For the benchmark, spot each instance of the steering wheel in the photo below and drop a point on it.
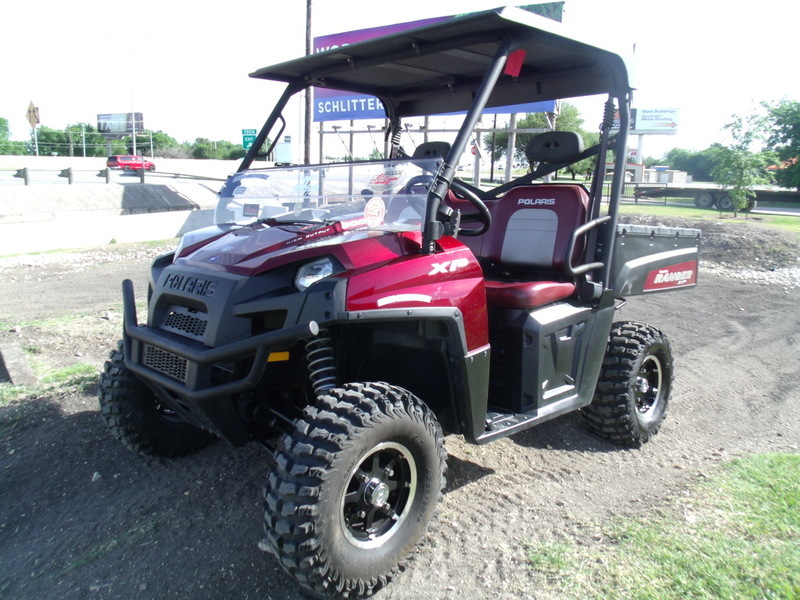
(483, 216)
(418, 202)
(416, 192)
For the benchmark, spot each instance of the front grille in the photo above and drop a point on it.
(165, 362)
(187, 322)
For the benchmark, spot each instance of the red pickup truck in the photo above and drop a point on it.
(130, 163)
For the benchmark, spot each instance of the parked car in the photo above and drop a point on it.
(130, 163)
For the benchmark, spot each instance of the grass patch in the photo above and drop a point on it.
(735, 538)
(73, 374)
(10, 392)
(77, 377)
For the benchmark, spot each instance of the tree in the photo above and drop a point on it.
(6, 145)
(220, 149)
(52, 142)
(83, 137)
(72, 141)
(784, 120)
(737, 168)
(585, 167)
(162, 145)
(697, 164)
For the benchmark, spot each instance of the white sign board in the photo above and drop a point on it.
(659, 121)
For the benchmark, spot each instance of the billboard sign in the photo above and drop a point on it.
(333, 105)
(654, 121)
(120, 123)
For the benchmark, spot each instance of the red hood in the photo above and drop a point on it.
(254, 249)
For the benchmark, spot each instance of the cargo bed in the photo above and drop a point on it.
(654, 259)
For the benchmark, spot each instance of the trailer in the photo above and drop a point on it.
(710, 195)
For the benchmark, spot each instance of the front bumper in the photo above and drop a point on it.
(189, 364)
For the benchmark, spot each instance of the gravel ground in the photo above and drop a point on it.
(788, 277)
(81, 517)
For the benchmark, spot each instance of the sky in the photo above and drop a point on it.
(185, 65)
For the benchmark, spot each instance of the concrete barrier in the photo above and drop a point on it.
(59, 216)
(49, 202)
(48, 217)
(93, 229)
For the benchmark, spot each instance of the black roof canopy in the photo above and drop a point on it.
(436, 69)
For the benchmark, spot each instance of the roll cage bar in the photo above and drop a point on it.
(499, 57)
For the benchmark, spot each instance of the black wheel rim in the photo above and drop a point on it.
(648, 387)
(379, 494)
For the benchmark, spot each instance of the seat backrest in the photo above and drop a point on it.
(532, 225)
(431, 150)
(554, 146)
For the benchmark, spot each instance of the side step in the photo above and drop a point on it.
(502, 424)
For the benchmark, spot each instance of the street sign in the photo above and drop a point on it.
(32, 115)
(248, 138)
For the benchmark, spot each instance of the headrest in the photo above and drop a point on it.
(431, 150)
(554, 146)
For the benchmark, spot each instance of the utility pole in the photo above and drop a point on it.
(307, 128)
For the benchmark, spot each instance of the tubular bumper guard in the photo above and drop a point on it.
(199, 360)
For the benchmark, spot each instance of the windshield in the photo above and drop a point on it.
(382, 195)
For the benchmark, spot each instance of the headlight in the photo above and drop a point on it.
(312, 272)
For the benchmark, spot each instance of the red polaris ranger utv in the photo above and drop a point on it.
(348, 316)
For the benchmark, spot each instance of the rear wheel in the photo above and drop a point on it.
(725, 202)
(632, 395)
(354, 487)
(704, 200)
(138, 419)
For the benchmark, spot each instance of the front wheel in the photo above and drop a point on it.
(138, 419)
(632, 394)
(354, 487)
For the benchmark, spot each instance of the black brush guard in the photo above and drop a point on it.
(198, 361)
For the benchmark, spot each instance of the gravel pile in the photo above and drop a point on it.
(788, 277)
